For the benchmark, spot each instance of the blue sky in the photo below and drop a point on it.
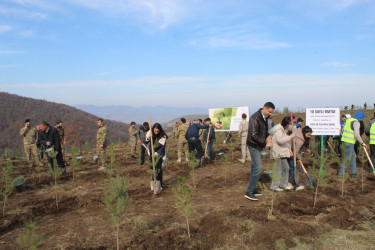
(189, 53)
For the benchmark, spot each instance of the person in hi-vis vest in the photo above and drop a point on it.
(349, 137)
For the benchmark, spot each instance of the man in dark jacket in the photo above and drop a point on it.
(257, 139)
(49, 137)
(192, 136)
(210, 138)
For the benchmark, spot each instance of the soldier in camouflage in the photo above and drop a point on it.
(61, 131)
(182, 142)
(243, 128)
(30, 137)
(133, 139)
(101, 143)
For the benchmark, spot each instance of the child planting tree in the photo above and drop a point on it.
(116, 199)
(30, 239)
(183, 200)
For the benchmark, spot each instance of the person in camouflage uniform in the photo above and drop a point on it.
(61, 131)
(243, 127)
(182, 142)
(133, 139)
(30, 137)
(101, 143)
(175, 131)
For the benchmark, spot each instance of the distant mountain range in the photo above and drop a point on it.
(80, 126)
(128, 114)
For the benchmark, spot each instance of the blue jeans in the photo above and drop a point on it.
(210, 150)
(256, 169)
(293, 172)
(350, 158)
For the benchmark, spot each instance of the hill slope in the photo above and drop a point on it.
(79, 125)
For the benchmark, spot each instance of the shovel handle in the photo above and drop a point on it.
(303, 167)
(208, 137)
(369, 159)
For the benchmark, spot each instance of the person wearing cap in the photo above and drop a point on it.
(370, 132)
(242, 135)
(133, 139)
(61, 131)
(351, 135)
(30, 137)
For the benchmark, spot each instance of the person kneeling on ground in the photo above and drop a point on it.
(281, 152)
(159, 138)
(302, 141)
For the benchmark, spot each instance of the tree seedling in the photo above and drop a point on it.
(30, 239)
(55, 172)
(6, 187)
(193, 164)
(116, 199)
(183, 200)
(231, 147)
(76, 163)
(274, 194)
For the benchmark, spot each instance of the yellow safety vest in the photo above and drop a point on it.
(348, 133)
(372, 134)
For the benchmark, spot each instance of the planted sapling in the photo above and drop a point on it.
(6, 187)
(30, 239)
(116, 199)
(183, 200)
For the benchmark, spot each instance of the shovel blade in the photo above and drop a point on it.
(311, 182)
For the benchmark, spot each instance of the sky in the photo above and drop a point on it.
(189, 53)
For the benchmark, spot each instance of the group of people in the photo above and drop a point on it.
(254, 135)
(44, 138)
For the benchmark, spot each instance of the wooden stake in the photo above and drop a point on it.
(152, 152)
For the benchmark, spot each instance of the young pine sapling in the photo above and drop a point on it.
(116, 199)
(6, 187)
(231, 147)
(76, 163)
(30, 239)
(193, 164)
(183, 200)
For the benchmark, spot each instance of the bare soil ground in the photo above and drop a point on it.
(222, 218)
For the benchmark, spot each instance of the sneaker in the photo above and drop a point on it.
(257, 193)
(242, 160)
(101, 168)
(290, 185)
(300, 187)
(251, 196)
(354, 175)
(133, 157)
(277, 190)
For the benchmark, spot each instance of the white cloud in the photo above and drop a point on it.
(157, 13)
(8, 52)
(2, 66)
(5, 28)
(338, 64)
(245, 37)
(22, 13)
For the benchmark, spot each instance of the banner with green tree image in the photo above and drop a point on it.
(227, 119)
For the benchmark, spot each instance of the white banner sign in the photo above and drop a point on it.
(323, 121)
(227, 119)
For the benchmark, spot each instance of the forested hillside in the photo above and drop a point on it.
(79, 125)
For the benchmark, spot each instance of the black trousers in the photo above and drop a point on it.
(195, 144)
(142, 155)
(372, 153)
(59, 160)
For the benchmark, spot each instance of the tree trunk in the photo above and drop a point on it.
(188, 228)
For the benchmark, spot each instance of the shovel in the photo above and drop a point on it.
(205, 151)
(310, 180)
(369, 159)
